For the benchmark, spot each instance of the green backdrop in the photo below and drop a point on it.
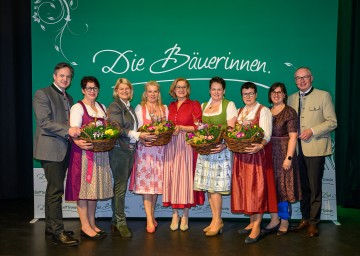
(261, 41)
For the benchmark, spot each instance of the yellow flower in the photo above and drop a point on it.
(109, 132)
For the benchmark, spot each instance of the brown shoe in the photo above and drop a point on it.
(302, 225)
(313, 231)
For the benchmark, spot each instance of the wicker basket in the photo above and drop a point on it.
(205, 149)
(101, 145)
(163, 138)
(239, 146)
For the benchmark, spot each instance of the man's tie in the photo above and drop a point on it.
(302, 94)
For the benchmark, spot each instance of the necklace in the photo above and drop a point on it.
(152, 113)
(243, 116)
(212, 104)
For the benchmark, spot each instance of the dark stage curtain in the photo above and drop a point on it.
(16, 100)
(347, 155)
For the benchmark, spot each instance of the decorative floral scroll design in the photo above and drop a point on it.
(48, 13)
(290, 65)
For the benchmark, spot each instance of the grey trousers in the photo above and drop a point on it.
(121, 163)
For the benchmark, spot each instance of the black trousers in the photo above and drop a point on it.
(55, 174)
(311, 174)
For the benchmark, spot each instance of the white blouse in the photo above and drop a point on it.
(139, 114)
(231, 110)
(265, 121)
(77, 112)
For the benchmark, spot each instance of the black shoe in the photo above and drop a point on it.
(98, 236)
(103, 233)
(266, 231)
(49, 233)
(249, 240)
(244, 231)
(64, 239)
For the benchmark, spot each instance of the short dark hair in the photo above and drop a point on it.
(87, 79)
(219, 80)
(273, 87)
(64, 65)
(248, 85)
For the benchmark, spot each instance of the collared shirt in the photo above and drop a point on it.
(307, 91)
(133, 134)
(61, 90)
(265, 121)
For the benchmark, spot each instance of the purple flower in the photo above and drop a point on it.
(240, 135)
(190, 135)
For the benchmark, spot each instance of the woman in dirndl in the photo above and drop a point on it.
(89, 176)
(253, 186)
(147, 175)
(213, 171)
(180, 158)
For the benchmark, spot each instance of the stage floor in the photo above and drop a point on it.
(19, 237)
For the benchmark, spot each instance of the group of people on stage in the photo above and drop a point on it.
(285, 167)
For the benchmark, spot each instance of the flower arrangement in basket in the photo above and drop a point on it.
(242, 135)
(162, 128)
(101, 134)
(205, 138)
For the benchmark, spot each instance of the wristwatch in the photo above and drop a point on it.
(289, 158)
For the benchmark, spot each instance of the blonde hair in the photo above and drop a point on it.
(173, 85)
(122, 81)
(143, 96)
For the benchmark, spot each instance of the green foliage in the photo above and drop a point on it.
(99, 130)
(205, 133)
(241, 132)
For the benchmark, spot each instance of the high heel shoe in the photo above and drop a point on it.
(175, 224)
(184, 227)
(150, 230)
(206, 229)
(216, 232)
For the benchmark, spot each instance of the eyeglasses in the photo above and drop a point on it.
(249, 94)
(181, 87)
(276, 93)
(297, 78)
(89, 89)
